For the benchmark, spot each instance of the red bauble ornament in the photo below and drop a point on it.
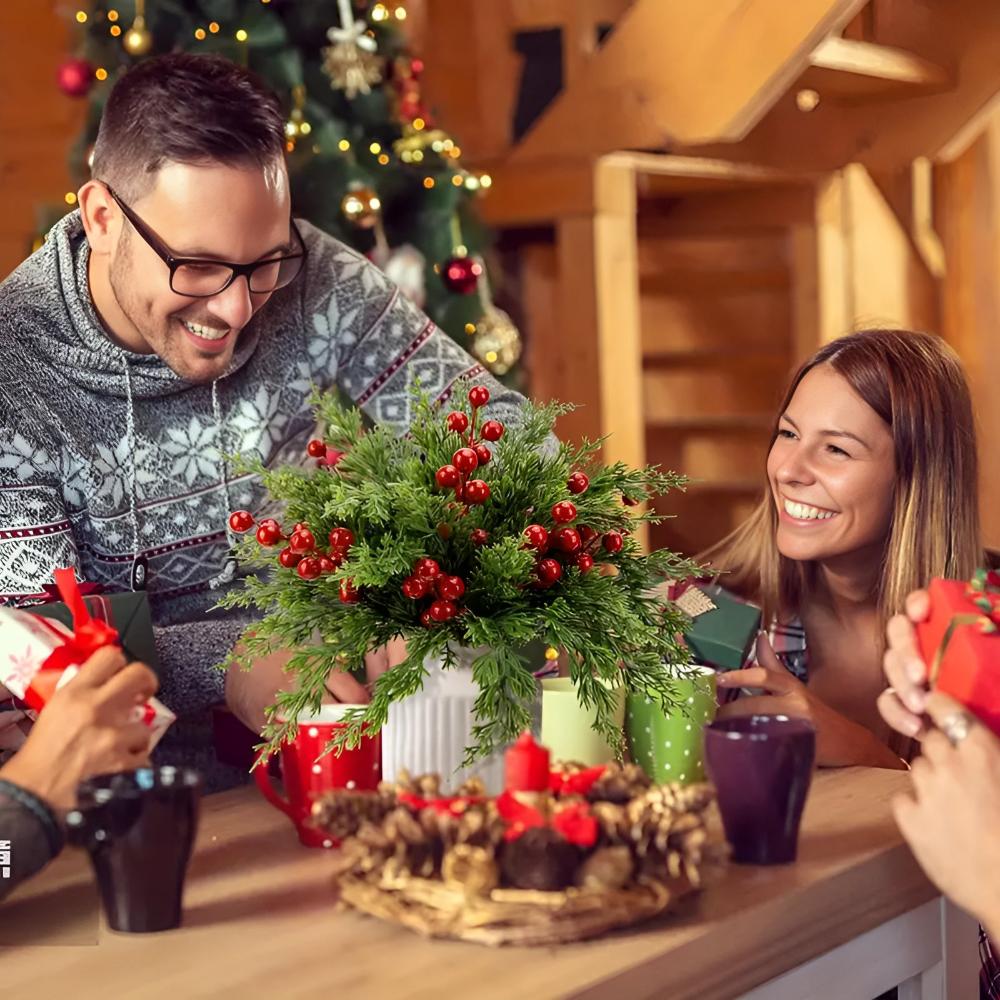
(326, 564)
(241, 520)
(414, 588)
(341, 538)
(465, 460)
(308, 568)
(578, 482)
(584, 562)
(442, 611)
(479, 396)
(348, 592)
(563, 512)
(75, 77)
(548, 572)
(461, 274)
(316, 448)
(268, 534)
(567, 539)
(302, 540)
(458, 422)
(492, 430)
(426, 569)
(537, 536)
(288, 558)
(447, 476)
(612, 541)
(450, 588)
(476, 491)
(483, 454)
(479, 536)
(587, 533)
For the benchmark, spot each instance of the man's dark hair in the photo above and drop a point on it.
(182, 108)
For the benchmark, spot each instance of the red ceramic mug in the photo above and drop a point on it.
(307, 776)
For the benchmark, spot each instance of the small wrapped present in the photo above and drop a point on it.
(960, 643)
(723, 628)
(39, 655)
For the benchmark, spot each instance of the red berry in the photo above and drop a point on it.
(476, 491)
(465, 460)
(316, 448)
(537, 536)
(584, 562)
(337, 556)
(288, 558)
(348, 592)
(563, 512)
(426, 620)
(331, 459)
(444, 530)
(241, 520)
(414, 588)
(268, 534)
(578, 482)
(629, 501)
(326, 564)
(447, 476)
(302, 540)
(301, 526)
(341, 538)
(492, 430)
(548, 571)
(483, 454)
(442, 611)
(450, 588)
(567, 539)
(479, 395)
(612, 541)
(308, 568)
(587, 534)
(457, 422)
(269, 521)
(479, 537)
(426, 569)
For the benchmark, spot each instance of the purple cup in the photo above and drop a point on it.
(761, 766)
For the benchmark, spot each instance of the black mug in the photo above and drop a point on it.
(138, 827)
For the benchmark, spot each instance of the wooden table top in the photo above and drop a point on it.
(260, 921)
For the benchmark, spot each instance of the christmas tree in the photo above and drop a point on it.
(368, 163)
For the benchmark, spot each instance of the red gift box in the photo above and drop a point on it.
(960, 643)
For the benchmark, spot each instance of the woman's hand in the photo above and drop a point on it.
(839, 741)
(86, 728)
(951, 818)
(903, 702)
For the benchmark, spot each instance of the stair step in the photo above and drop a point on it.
(669, 395)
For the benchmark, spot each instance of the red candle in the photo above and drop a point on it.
(526, 766)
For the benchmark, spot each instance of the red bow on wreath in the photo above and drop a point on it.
(573, 822)
(454, 804)
(575, 782)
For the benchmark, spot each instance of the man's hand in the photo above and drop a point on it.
(902, 703)
(86, 729)
(951, 819)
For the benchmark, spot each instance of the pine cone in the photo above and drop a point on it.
(540, 859)
(341, 813)
(619, 783)
(606, 868)
(474, 868)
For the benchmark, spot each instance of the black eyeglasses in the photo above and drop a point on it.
(198, 278)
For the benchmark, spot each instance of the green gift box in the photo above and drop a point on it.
(723, 628)
(668, 745)
(127, 613)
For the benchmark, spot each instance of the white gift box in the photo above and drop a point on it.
(27, 641)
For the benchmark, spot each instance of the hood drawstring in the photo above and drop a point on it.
(140, 567)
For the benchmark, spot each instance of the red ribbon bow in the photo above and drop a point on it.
(575, 782)
(573, 822)
(88, 636)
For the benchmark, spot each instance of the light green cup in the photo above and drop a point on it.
(669, 747)
(568, 728)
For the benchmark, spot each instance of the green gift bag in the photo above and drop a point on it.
(568, 728)
(723, 628)
(669, 747)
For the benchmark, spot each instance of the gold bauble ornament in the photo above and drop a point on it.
(497, 342)
(361, 206)
(138, 40)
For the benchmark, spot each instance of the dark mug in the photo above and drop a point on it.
(138, 827)
(761, 766)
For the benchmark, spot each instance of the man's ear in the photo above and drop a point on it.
(101, 217)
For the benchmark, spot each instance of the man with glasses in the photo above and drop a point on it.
(179, 316)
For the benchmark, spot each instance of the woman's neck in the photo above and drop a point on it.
(849, 583)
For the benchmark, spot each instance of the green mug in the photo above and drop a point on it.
(568, 728)
(668, 747)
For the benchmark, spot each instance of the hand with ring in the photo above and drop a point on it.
(951, 818)
(902, 704)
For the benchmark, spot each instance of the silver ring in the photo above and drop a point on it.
(957, 727)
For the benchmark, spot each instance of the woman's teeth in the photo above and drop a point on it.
(205, 332)
(806, 513)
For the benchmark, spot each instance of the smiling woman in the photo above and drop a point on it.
(871, 491)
